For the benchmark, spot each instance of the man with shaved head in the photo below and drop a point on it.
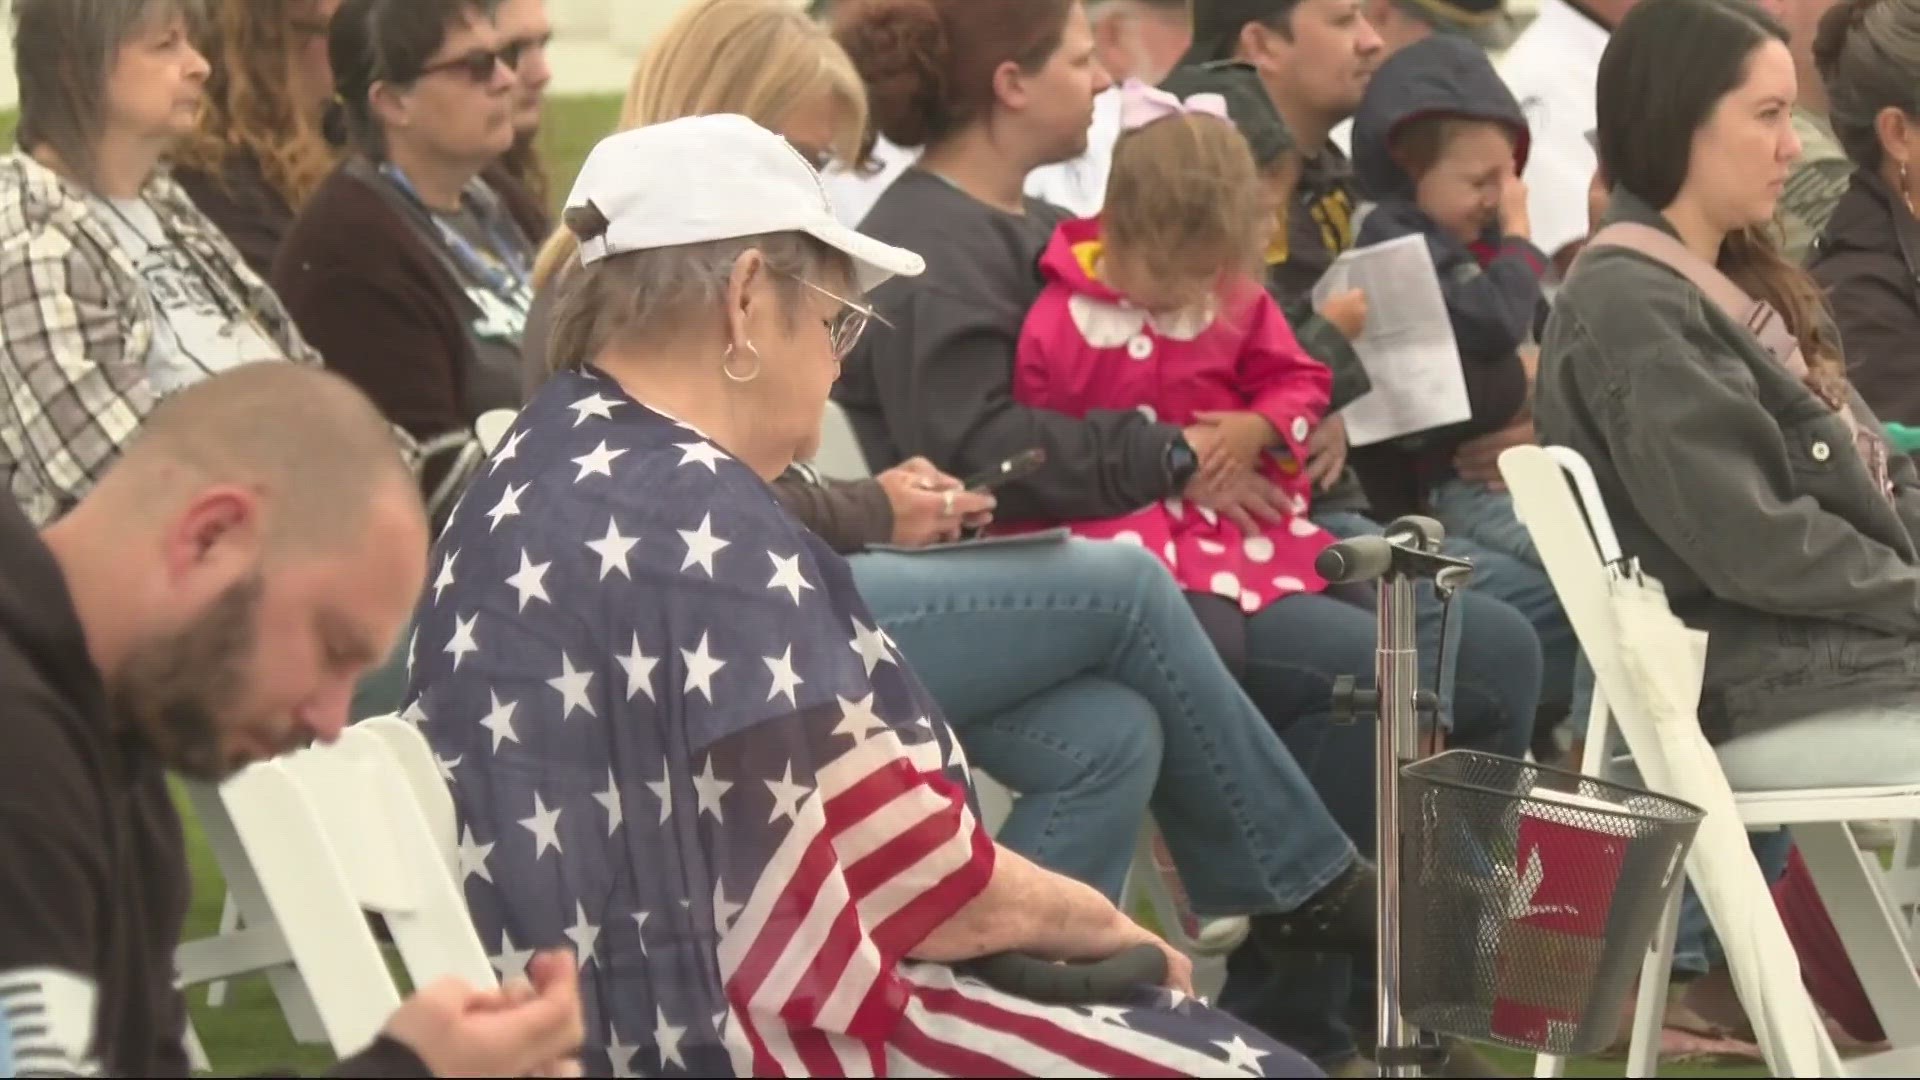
(209, 604)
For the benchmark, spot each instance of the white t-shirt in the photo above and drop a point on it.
(1551, 69)
(853, 194)
(1080, 185)
(195, 336)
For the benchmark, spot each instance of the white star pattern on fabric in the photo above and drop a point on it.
(593, 405)
(1108, 1014)
(1240, 1055)
(663, 792)
(511, 963)
(871, 644)
(529, 581)
(597, 462)
(639, 668)
(414, 714)
(640, 929)
(787, 796)
(500, 721)
(473, 858)
(621, 1055)
(701, 668)
(585, 935)
(545, 826)
(857, 718)
(667, 1038)
(446, 768)
(507, 452)
(508, 506)
(445, 578)
(711, 789)
(463, 642)
(610, 799)
(701, 453)
(613, 550)
(786, 575)
(724, 910)
(785, 679)
(573, 689)
(702, 546)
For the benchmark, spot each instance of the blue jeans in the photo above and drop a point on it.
(1495, 662)
(1508, 566)
(1075, 674)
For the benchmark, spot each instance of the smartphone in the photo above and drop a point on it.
(1017, 467)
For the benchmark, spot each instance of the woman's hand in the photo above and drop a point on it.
(930, 507)
(1249, 500)
(1327, 453)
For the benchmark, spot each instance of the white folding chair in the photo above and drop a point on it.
(492, 428)
(1556, 498)
(333, 833)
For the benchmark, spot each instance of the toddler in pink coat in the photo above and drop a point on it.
(1156, 306)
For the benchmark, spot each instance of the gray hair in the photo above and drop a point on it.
(1868, 53)
(63, 56)
(664, 292)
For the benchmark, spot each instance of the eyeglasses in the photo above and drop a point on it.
(478, 65)
(845, 328)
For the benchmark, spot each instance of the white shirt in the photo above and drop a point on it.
(1080, 185)
(194, 335)
(1551, 69)
(853, 194)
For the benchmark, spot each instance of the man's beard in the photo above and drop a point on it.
(182, 693)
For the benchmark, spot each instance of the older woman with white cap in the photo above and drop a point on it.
(674, 735)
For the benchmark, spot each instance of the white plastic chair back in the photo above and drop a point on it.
(367, 802)
(840, 456)
(427, 778)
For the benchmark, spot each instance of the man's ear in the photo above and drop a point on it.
(218, 534)
(389, 104)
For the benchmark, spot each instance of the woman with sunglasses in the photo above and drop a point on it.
(260, 150)
(115, 290)
(405, 268)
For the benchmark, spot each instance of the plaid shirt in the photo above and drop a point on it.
(77, 324)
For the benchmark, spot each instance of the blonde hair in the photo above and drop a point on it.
(756, 58)
(1185, 192)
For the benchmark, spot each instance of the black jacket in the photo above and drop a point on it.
(1868, 261)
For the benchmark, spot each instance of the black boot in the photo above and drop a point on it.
(1337, 919)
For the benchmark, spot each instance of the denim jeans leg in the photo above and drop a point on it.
(1084, 757)
(988, 629)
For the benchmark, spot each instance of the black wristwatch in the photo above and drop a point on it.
(1180, 464)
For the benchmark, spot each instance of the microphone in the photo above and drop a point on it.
(1364, 558)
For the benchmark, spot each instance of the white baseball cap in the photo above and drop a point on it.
(720, 177)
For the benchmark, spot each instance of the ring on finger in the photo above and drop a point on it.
(946, 502)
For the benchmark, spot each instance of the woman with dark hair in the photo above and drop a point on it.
(1741, 470)
(405, 268)
(114, 289)
(259, 151)
(1869, 258)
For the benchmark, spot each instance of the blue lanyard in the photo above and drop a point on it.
(512, 284)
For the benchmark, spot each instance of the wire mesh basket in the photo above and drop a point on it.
(1529, 897)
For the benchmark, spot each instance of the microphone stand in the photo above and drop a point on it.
(1406, 554)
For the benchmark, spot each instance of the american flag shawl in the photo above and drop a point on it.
(679, 743)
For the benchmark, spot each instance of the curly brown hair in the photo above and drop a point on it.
(249, 106)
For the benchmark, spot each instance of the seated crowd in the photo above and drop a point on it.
(710, 720)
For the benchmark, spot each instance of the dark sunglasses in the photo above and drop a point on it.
(478, 65)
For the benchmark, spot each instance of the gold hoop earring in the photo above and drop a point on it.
(726, 366)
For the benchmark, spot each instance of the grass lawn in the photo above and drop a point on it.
(248, 1035)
